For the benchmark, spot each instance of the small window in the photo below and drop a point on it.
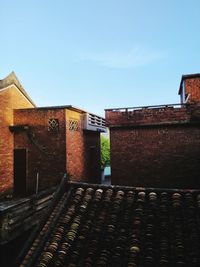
(73, 125)
(53, 125)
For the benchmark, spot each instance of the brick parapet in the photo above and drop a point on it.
(152, 116)
(155, 147)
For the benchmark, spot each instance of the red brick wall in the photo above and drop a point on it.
(192, 87)
(75, 147)
(146, 154)
(10, 99)
(83, 151)
(45, 150)
(150, 116)
(53, 154)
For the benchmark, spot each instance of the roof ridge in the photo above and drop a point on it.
(12, 79)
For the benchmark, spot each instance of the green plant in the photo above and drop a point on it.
(105, 152)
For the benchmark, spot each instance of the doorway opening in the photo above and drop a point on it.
(20, 172)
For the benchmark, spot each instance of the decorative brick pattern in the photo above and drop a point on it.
(73, 125)
(53, 125)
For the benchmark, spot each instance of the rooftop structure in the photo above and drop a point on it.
(158, 145)
(39, 144)
(189, 89)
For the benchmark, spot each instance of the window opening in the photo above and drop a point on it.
(53, 125)
(73, 125)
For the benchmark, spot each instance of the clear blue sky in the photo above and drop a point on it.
(98, 54)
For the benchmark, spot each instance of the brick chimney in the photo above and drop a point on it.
(189, 90)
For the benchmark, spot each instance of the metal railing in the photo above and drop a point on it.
(128, 109)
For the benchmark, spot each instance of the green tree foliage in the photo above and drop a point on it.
(105, 152)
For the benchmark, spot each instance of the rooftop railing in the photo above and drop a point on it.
(127, 109)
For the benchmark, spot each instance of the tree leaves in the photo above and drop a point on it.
(105, 152)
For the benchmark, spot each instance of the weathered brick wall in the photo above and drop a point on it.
(150, 116)
(156, 155)
(75, 164)
(83, 151)
(10, 98)
(53, 154)
(45, 149)
(192, 87)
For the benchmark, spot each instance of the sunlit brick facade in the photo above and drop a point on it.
(12, 96)
(39, 145)
(158, 146)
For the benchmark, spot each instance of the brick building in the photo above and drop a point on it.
(12, 96)
(39, 144)
(158, 146)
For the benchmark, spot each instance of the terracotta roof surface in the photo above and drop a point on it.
(94, 225)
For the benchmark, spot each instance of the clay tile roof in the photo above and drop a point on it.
(92, 225)
(12, 79)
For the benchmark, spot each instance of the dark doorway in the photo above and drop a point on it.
(20, 172)
(94, 165)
